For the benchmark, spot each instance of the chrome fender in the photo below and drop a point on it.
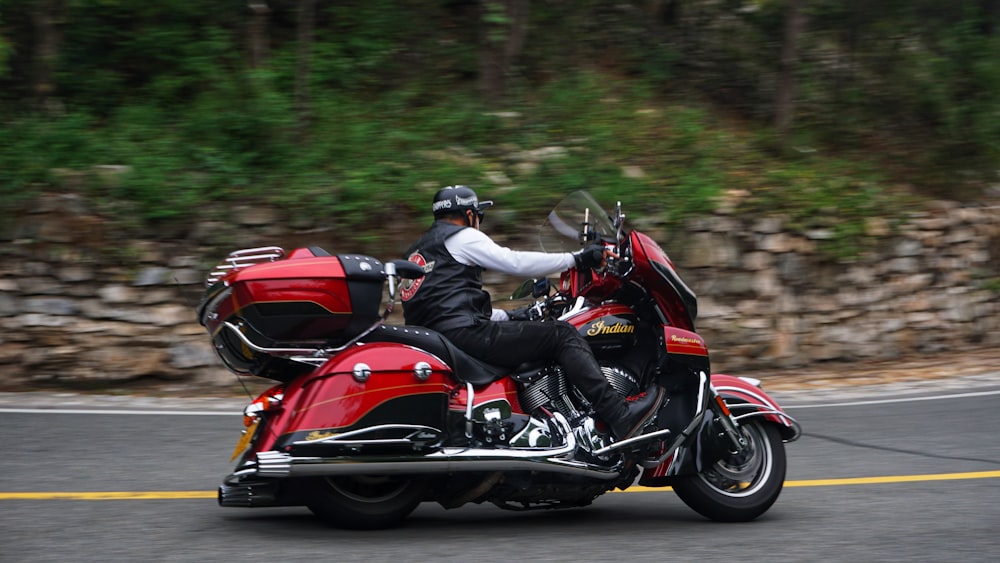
(746, 398)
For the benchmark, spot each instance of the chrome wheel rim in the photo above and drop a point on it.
(744, 473)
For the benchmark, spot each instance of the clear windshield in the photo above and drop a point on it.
(561, 230)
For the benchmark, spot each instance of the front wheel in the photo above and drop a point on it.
(741, 486)
(364, 502)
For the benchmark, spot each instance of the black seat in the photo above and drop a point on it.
(467, 369)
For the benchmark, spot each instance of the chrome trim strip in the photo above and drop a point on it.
(642, 438)
(470, 397)
(791, 422)
(344, 438)
(764, 402)
(577, 307)
(250, 344)
(688, 431)
(314, 362)
(702, 377)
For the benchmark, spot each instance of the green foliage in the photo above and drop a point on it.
(161, 52)
(921, 69)
(35, 145)
(664, 110)
(5, 52)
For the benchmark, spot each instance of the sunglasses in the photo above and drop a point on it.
(478, 214)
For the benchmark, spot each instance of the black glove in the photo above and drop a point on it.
(521, 314)
(590, 258)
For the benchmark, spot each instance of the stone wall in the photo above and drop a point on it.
(771, 298)
(84, 306)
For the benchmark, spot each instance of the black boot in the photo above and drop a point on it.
(624, 416)
(638, 411)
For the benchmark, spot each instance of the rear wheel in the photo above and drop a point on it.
(740, 486)
(363, 502)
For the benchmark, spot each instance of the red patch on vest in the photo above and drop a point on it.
(409, 287)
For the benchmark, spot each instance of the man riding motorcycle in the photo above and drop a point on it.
(450, 300)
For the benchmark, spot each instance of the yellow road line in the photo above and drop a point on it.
(861, 480)
(163, 495)
(110, 495)
(894, 479)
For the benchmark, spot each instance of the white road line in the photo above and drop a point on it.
(237, 412)
(897, 400)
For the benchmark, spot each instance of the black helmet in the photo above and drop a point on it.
(458, 199)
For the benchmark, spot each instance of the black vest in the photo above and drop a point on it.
(450, 295)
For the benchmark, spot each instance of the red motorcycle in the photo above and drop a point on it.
(368, 420)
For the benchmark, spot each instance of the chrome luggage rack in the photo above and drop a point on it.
(244, 258)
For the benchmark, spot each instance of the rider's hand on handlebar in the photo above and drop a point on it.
(520, 314)
(594, 257)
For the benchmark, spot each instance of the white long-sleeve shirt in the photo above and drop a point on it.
(472, 247)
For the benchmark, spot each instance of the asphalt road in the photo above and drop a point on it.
(904, 480)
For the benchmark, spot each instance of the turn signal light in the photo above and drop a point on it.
(264, 403)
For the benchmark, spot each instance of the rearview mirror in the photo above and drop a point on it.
(533, 288)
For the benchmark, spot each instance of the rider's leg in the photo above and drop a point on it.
(515, 342)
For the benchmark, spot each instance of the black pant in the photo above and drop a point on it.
(511, 343)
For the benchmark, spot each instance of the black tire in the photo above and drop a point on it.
(739, 487)
(364, 502)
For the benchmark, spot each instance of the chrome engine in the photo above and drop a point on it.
(623, 381)
(551, 389)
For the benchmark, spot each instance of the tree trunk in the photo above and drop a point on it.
(257, 34)
(991, 16)
(303, 64)
(45, 17)
(504, 25)
(784, 106)
(665, 12)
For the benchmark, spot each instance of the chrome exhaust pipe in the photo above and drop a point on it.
(274, 464)
(278, 465)
(248, 494)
